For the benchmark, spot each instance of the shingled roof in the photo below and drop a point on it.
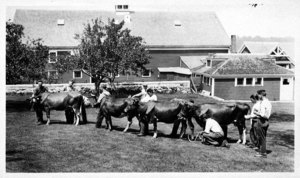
(197, 29)
(245, 65)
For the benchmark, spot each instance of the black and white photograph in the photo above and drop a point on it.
(159, 87)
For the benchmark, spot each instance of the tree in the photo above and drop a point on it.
(106, 50)
(24, 61)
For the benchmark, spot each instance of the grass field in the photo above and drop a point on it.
(67, 148)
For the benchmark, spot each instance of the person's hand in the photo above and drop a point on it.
(247, 116)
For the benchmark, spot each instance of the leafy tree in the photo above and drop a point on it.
(106, 50)
(25, 62)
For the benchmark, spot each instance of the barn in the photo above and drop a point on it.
(237, 76)
(169, 36)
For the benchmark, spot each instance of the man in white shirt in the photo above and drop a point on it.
(213, 133)
(149, 97)
(142, 94)
(103, 93)
(253, 119)
(262, 124)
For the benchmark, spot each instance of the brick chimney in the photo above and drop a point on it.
(233, 44)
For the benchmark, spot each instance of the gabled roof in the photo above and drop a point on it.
(178, 70)
(198, 29)
(260, 47)
(243, 65)
(193, 61)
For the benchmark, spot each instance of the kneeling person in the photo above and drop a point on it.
(213, 134)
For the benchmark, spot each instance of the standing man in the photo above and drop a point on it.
(213, 133)
(36, 99)
(103, 93)
(253, 119)
(262, 124)
(69, 113)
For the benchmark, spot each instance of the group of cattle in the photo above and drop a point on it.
(176, 111)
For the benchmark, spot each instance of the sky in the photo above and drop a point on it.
(270, 18)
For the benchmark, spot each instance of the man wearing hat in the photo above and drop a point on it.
(37, 101)
(262, 124)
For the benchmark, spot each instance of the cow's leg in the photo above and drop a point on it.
(191, 125)
(48, 116)
(224, 128)
(77, 118)
(143, 126)
(175, 128)
(109, 122)
(242, 135)
(155, 128)
(183, 128)
(129, 122)
(100, 117)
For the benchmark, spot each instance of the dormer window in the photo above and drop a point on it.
(122, 7)
(208, 63)
(60, 22)
(119, 6)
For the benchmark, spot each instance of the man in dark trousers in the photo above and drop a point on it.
(262, 124)
(36, 99)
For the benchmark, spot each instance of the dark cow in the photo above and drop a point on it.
(224, 114)
(111, 106)
(154, 112)
(62, 102)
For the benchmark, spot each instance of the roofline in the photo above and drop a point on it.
(252, 75)
(184, 47)
(165, 47)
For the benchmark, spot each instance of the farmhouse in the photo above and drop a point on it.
(237, 76)
(169, 36)
(283, 52)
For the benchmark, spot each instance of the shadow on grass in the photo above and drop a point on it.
(285, 139)
(282, 117)
(13, 155)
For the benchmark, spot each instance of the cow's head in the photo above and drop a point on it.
(187, 109)
(131, 104)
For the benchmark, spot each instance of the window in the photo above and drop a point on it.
(208, 63)
(125, 6)
(249, 81)
(146, 73)
(207, 80)
(240, 82)
(52, 57)
(77, 74)
(63, 54)
(52, 74)
(285, 81)
(258, 81)
(119, 6)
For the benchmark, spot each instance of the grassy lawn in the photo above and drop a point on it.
(67, 148)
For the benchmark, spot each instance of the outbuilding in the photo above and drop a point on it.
(237, 76)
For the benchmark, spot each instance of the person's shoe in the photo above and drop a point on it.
(225, 144)
(261, 155)
(39, 123)
(141, 135)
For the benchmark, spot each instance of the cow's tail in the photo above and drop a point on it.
(83, 111)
